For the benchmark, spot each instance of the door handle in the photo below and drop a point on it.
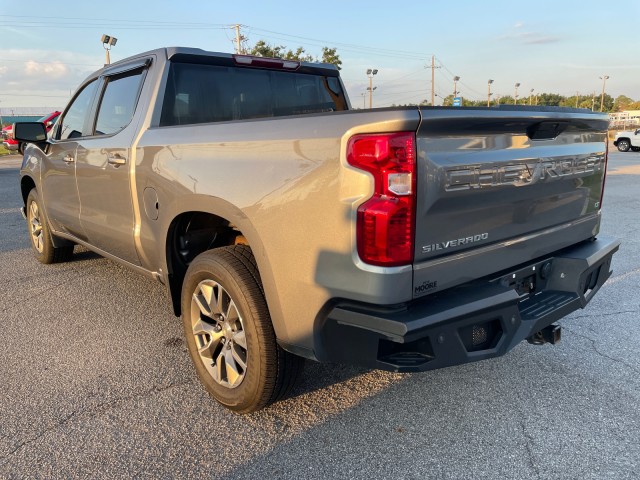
(68, 158)
(116, 160)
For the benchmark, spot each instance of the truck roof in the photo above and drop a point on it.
(188, 54)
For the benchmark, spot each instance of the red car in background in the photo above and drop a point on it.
(7, 132)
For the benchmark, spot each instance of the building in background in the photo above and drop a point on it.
(625, 119)
(10, 115)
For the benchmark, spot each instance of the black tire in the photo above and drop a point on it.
(40, 233)
(635, 149)
(229, 332)
(624, 145)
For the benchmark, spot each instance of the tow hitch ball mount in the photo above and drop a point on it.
(549, 334)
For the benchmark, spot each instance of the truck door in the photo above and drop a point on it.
(104, 167)
(59, 191)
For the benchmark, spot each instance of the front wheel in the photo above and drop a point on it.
(624, 145)
(40, 235)
(229, 332)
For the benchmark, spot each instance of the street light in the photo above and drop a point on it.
(515, 96)
(604, 79)
(530, 96)
(107, 43)
(370, 73)
(455, 86)
(489, 92)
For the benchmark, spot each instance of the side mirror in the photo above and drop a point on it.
(31, 132)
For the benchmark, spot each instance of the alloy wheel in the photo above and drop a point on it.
(35, 227)
(219, 334)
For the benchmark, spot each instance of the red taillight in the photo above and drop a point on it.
(385, 228)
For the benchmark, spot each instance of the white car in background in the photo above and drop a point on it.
(628, 140)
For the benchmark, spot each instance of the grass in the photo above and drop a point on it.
(4, 151)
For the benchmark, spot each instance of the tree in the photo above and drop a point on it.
(621, 103)
(329, 55)
(550, 99)
(504, 100)
(608, 103)
(264, 49)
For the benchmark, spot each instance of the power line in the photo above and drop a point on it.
(119, 21)
(97, 65)
(400, 93)
(400, 78)
(95, 25)
(465, 85)
(343, 46)
(31, 95)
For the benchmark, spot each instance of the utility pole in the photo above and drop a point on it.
(593, 101)
(489, 92)
(238, 39)
(455, 86)
(577, 97)
(531, 95)
(604, 79)
(515, 95)
(433, 80)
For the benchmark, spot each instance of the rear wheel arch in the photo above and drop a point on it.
(193, 225)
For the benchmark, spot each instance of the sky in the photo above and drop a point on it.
(549, 46)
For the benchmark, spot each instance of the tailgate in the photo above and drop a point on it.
(499, 187)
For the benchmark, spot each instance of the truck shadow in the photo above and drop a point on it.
(319, 376)
(82, 254)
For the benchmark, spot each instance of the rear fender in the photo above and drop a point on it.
(223, 209)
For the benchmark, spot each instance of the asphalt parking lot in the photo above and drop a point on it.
(95, 381)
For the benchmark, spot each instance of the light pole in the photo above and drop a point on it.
(107, 43)
(604, 79)
(455, 86)
(515, 96)
(489, 92)
(370, 73)
(530, 96)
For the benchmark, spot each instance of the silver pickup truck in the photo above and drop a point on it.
(287, 226)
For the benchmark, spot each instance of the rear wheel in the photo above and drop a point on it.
(624, 145)
(229, 332)
(40, 234)
(635, 149)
